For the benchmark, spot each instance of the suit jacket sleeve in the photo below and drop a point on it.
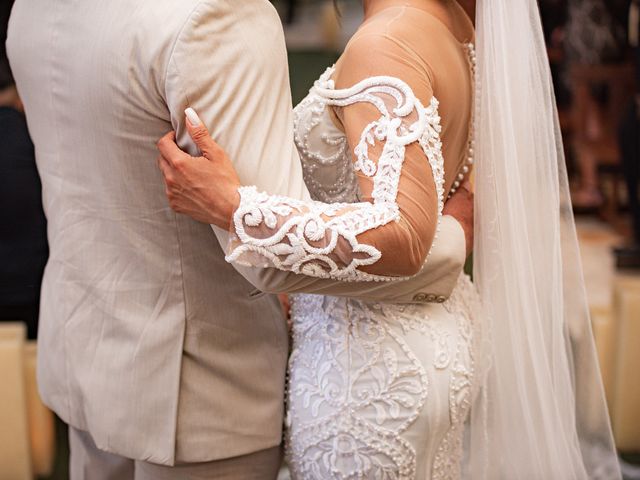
(229, 63)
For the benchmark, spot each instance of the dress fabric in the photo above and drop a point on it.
(379, 391)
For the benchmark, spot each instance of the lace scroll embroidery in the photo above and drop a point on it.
(303, 237)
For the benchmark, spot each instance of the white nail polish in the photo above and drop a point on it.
(193, 117)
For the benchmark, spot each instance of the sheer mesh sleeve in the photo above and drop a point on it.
(397, 154)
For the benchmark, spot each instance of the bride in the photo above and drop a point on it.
(507, 366)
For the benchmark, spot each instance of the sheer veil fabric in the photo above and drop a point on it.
(542, 413)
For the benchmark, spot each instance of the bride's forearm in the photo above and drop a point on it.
(346, 241)
(434, 283)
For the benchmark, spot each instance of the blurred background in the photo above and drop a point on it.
(594, 52)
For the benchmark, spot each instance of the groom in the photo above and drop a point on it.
(165, 361)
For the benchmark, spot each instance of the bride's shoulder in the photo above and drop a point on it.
(374, 52)
(370, 44)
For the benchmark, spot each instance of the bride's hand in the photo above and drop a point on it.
(205, 187)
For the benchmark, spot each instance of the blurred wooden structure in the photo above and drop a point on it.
(27, 432)
(616, 81)
(616, 332)
(626, 388)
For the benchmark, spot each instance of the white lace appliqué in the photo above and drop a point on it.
(357, 387)
(319, 239)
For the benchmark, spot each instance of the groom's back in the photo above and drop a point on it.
(130, 285)
(95, 112)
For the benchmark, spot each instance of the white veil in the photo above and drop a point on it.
(541, 414)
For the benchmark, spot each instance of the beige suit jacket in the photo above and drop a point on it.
(149, 340)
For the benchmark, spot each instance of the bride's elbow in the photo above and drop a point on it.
(416, 267)
(412, 253)
(415, 261)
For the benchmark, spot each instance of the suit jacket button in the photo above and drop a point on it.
(420, 297)
(431, 298)
(441, 299)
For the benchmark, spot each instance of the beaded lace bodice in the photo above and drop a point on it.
(328, 165)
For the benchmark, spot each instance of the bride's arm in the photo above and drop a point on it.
(390, 232)
(393, 171)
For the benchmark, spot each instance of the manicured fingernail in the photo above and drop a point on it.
(193, 117)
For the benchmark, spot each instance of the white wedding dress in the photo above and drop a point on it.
(376, 391)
